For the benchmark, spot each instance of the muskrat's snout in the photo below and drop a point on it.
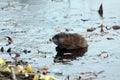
(55, 40)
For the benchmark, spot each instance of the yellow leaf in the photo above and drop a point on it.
(6, 68)
(47, 77)
(36, 77)
(20, 68)
(2, 61)
(28, 68)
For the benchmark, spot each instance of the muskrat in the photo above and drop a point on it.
(69, 41)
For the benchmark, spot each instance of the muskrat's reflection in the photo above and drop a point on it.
(66, 55)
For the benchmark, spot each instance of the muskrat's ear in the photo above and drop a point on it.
(63, 35)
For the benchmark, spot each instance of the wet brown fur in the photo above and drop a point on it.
(69, 41)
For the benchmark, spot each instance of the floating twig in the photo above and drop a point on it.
(101, 28)
(17, 55)
(13, 73)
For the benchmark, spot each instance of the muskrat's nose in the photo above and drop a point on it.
(54, 40)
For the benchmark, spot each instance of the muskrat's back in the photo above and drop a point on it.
(69, 41)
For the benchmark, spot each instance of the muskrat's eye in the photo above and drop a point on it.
(56, 37)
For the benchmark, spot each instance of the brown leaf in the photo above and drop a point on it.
(90, 29)
(100, 11)
(116, 27)
(101, 28)
(16, 56)
(110, 38)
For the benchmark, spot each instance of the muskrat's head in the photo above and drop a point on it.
(59, 38)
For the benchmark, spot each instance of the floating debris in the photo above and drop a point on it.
(59, 73)
(84, 20)
(9, 51)
(90, 29)
(108, 28)
(110, 38)
(2, 62)
(17, 55)
(100, 11)
(101, 28)
(2, 49)
(103, 55)
(89, 75)
(9, 40)
(26, 51)
(116, 27)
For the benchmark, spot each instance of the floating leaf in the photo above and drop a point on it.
(9, 51)
(2, 49)
(2, 61)
(6, 68)
(108, 28)
(47, 77)
(103, 55)
(28, 68)
(36, 77)
(110, 38)
(116, 27)
(100, 11)
(20, 68)
(90, 29)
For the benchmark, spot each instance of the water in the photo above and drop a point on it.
(32, 23)
(67, 13)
